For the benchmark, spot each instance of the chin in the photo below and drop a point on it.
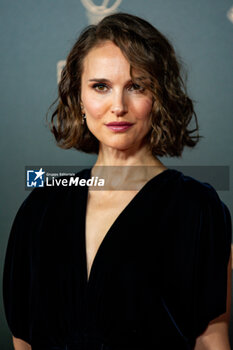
(120, 146)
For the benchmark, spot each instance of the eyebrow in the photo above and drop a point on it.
(104, 80)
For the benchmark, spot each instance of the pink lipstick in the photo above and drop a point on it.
(119, 126)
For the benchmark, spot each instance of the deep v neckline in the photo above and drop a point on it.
(106, 237)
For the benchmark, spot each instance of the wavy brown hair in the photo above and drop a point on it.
(147, 51)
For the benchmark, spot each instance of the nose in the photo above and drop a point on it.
(119, 104)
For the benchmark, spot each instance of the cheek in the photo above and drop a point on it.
(94, 107)
(142, 109)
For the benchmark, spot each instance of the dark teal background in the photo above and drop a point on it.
(36, 34)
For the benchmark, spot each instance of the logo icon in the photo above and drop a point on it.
(35, 178)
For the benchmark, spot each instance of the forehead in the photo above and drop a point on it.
(106, 59)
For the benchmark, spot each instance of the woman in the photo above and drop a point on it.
(135, 269)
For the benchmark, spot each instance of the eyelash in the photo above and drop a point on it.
(139, 88)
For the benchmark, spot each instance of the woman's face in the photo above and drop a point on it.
(117, 110)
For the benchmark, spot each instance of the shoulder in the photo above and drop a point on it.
(196, 192)
(198, 202)
(201, 201)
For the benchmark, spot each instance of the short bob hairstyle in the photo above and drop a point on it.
(147, 51)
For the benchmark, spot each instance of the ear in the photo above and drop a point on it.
(81, 106)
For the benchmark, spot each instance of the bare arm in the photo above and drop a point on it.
(216, 336)
(20, 344)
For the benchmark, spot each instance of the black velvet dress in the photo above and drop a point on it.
(158, 278)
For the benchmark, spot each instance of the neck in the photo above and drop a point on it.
(109, 156)
(126, 167)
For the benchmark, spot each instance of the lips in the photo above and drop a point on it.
(119, 124)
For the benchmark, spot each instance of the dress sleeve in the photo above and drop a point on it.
(17, 273)
(213, 252)
(194, 275)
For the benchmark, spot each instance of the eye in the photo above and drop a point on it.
(100, 87)
(136, 87)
